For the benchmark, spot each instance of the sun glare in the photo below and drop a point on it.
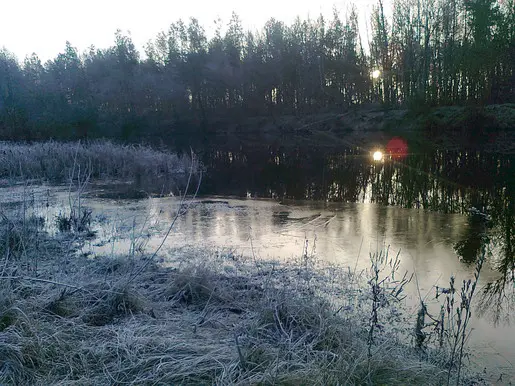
(378, 156)
(376, 74)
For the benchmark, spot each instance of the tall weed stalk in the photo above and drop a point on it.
(459, 313)
(451, 326)
(385, 287)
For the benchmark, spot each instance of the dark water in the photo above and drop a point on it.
(478, 185)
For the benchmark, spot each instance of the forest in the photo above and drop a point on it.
(419, 54)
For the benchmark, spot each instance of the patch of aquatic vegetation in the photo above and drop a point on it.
(56, 162)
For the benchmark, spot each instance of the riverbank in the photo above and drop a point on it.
(209, 319)
(490, 129)
(195, 316)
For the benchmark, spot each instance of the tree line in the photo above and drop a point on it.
(427, 53)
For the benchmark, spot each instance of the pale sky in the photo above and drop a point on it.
(43, 27)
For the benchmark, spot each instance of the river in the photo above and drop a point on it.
(438, 210)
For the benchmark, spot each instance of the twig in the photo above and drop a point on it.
(40, 280)
(240, 355)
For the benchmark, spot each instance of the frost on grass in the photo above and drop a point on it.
(202, 318)
(101, 160)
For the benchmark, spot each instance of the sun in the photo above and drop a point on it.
(376, 74)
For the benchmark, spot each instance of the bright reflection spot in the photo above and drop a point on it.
(378, 156)
(376, 74)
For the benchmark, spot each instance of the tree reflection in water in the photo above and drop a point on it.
(480, 185)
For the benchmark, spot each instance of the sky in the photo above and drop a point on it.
(43, 27)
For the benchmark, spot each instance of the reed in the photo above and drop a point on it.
(55, 162)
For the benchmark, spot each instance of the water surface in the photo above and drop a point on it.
(437, 210)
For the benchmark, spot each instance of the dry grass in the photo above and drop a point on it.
(206, 319)
(105, 161)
